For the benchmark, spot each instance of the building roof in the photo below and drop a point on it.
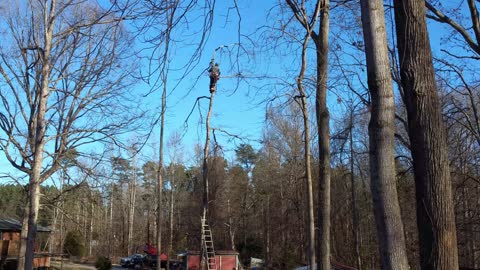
(217, 252)
(10, 224)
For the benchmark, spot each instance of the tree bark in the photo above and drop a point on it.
(23, 238)
(435, 213)
(381, 132)
(323, 131)
(308, 170)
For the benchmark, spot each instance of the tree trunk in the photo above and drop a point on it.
(90, 229)
(323, 121)
(23, 238)
(51, 240)
(39, 144)
(308, 170)
(205, 173)
(131, 208)
(231, 232)
(110, 225)
(381, 132)
(160, 176)
(170, 239)
(34, 198)
(355, 221)
(435, 213)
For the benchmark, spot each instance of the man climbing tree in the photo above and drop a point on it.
(214, 72)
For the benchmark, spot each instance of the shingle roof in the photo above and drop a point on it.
(10, 224)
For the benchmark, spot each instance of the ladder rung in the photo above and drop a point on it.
(207, 240)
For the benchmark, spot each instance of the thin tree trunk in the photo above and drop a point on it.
(170, 239)
(160, 176)
(110, 240)
(231, 231)
(323, 121)
(381, 132)
(51, 241)
(308, 171)
(131, 210)
(206, 155)
(435, 213)
(62, 204)
(355, 223)
(148, 223)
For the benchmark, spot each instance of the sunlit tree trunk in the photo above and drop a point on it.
(23, 238)
(131, 204)
(39, 137)
(381, 130)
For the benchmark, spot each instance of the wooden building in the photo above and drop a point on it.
(10, 245)
(225, 260)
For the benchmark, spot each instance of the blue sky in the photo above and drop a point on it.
(238, 108)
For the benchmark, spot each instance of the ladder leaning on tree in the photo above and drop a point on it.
(207, 244)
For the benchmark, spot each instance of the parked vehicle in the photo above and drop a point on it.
(131, 260)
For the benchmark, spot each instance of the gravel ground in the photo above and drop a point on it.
(76, 266)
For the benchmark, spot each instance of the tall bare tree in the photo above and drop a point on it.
(381, 131)
(309, 23)
(435, 213)
(321, 43)
(323, 131)
(63, 78)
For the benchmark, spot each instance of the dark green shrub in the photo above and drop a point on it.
(73, 244)
(103, 263)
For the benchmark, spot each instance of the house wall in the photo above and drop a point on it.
(224, 262)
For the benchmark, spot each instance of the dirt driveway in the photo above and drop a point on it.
(76, 266)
